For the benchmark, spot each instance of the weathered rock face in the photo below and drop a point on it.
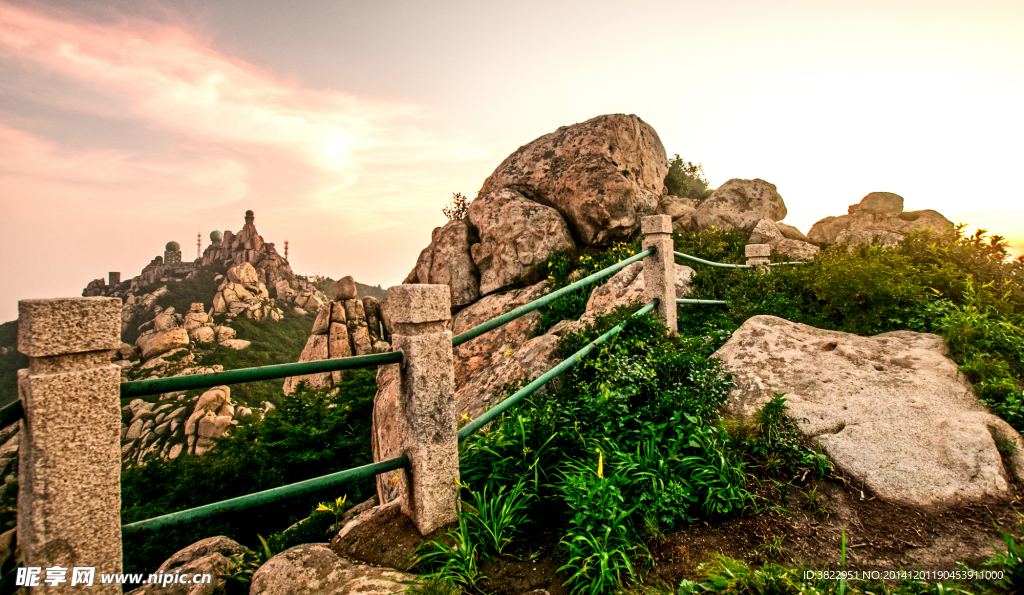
(682, 210)
(212, 417)
(795, 249)
(199, 324)
(741, 203)
(156, 342)
(878, 215)
(243, 294)
(628, 286)
(340, 330)
(314, 569)
(601, 175)
(447, 261)
(516, 235)
(890, 410)
(480, 354)
(209, 556)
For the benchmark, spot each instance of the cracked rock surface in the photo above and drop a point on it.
(890, 410)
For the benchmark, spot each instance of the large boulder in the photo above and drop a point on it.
(601, 175)
(447, 261)
(244, 274)
(313, 569)
(209, 556)
(154, 343)
(878, 216)
(741, 203)
(516, 235)
(891, 410)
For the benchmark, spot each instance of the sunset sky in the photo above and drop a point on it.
(347, 126)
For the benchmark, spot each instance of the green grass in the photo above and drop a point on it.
(273, 342)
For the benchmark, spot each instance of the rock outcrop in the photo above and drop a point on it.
(314, 569)
(174, 425)
(242, 293)
(601, 175)
(878, 215)
(447, 261)
(891, 410)
(209, 556)
(516, 235)
(341, 329)
(741, 203)
(247, 247)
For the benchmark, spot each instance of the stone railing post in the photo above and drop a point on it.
(426, 403)
(757, 254)
(660, 267)
(69, 489)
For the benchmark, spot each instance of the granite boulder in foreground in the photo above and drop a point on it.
(891, 410)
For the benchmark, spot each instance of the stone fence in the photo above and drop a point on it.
(70, 460)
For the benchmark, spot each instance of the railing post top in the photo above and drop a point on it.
(655, 224)
(758, 250)
(418, 303)
(68, 325)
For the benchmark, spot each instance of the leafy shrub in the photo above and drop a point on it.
(312, 433)
(773, 444)
(458, 209)
(566, 268)
(687, 180)
(631, 428)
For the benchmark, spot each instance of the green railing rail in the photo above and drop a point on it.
(11, 413)
(720, 265)
(547, 299)
(716, 302)
(270, 496)
(532, 387)
(138, 388)
(723, 265)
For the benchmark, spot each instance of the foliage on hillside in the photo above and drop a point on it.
(965, 288)
(273, 342)
(312, 433)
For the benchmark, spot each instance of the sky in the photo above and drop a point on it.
(346, 126)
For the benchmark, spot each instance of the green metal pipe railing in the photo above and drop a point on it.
(529, 389)
(270, 496)
(11, 413)
(138, 388)
(720, 265)
(717, 302)
(547, 299)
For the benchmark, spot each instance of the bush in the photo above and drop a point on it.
(687, 180)
(312, 433)
(629, 439)
(458, 209)
(564, 269)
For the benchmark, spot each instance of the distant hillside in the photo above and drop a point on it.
(362, 290)
(10, 362)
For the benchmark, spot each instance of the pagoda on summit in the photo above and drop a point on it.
(247, 245)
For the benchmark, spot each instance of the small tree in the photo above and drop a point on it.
(687, 180)
(458, 208)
